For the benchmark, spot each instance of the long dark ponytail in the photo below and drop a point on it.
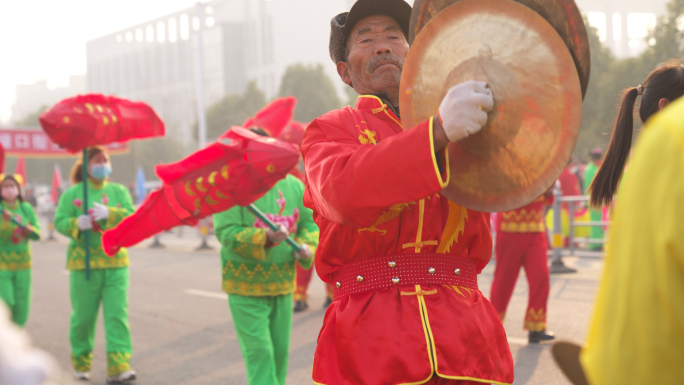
(665, 82)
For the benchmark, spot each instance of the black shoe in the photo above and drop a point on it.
(300, 306)
(327, 303)
(542, 336)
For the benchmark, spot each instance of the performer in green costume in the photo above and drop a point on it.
(17, 225)
(596, 232)
(259, 275)
(108, 204)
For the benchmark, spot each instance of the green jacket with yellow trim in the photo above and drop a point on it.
(15, 252)
(251, 265)
(70, 206)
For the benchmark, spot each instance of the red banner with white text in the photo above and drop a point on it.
(34, 143)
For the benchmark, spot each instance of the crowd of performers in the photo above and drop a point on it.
(400, 260)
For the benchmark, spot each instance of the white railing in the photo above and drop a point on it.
(558, 251)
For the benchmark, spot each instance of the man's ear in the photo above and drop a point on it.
(343, 71)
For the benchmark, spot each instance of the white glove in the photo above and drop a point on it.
(84, 222)
(277, 236)
(463, 110)
(304, 253)
(99, 212)
(20, 363)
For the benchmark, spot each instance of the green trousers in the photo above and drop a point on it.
(15, 290)
(109, 287)
(263, 326)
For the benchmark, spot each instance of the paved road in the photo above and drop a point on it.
(182, 329)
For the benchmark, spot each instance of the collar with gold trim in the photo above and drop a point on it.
(375, 101)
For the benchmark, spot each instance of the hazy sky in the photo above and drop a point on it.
(45, 39)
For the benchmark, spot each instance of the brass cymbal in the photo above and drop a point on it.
(533, 128)
(563, 15)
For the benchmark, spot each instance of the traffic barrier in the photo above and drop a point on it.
(559, 248)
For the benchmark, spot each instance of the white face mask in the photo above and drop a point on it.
(10, 193)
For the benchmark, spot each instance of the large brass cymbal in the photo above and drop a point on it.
(563, 15)
(533, 128)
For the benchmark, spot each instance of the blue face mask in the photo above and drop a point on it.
(101, 171)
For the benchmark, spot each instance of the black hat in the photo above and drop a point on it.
(342, 24)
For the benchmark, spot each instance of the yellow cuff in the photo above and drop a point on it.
(73, 230)
(443, 183)
(115, 216)
(250, 243)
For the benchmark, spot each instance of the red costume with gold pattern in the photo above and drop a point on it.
(521, 241)
(303, 281)
(403, 257)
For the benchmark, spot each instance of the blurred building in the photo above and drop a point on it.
(623, 25)
(243, 40)
(31, 97)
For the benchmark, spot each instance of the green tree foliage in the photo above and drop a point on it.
(610, 77)
(146, 154)
(31, 120)
(351, 95)
(233, 110)
(665, 41)
(598, 105)
(313, 89)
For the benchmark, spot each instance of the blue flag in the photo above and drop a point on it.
(140, 185)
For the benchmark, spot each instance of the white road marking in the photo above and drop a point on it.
(207, 294)
(517, 341)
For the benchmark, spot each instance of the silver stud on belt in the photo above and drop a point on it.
(457, 271)
(338, 285)
(395, 280)
(359, 278)
(431, 270)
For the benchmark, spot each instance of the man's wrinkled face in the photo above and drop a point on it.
(376, 51)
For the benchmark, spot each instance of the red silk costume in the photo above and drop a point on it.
(521, 241)
(304, 275)
(374, 190)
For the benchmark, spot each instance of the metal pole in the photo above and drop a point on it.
(557, 265)
(86, 233)
(257, 213)
(571, 232)
(201, 114)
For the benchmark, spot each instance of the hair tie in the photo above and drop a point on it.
(640, 89)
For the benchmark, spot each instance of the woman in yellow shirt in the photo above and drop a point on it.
(637, 333)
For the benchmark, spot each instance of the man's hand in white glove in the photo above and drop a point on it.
(277, 236)
(98, 212)
(463, 111)
(84, 222)
(304, 253)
